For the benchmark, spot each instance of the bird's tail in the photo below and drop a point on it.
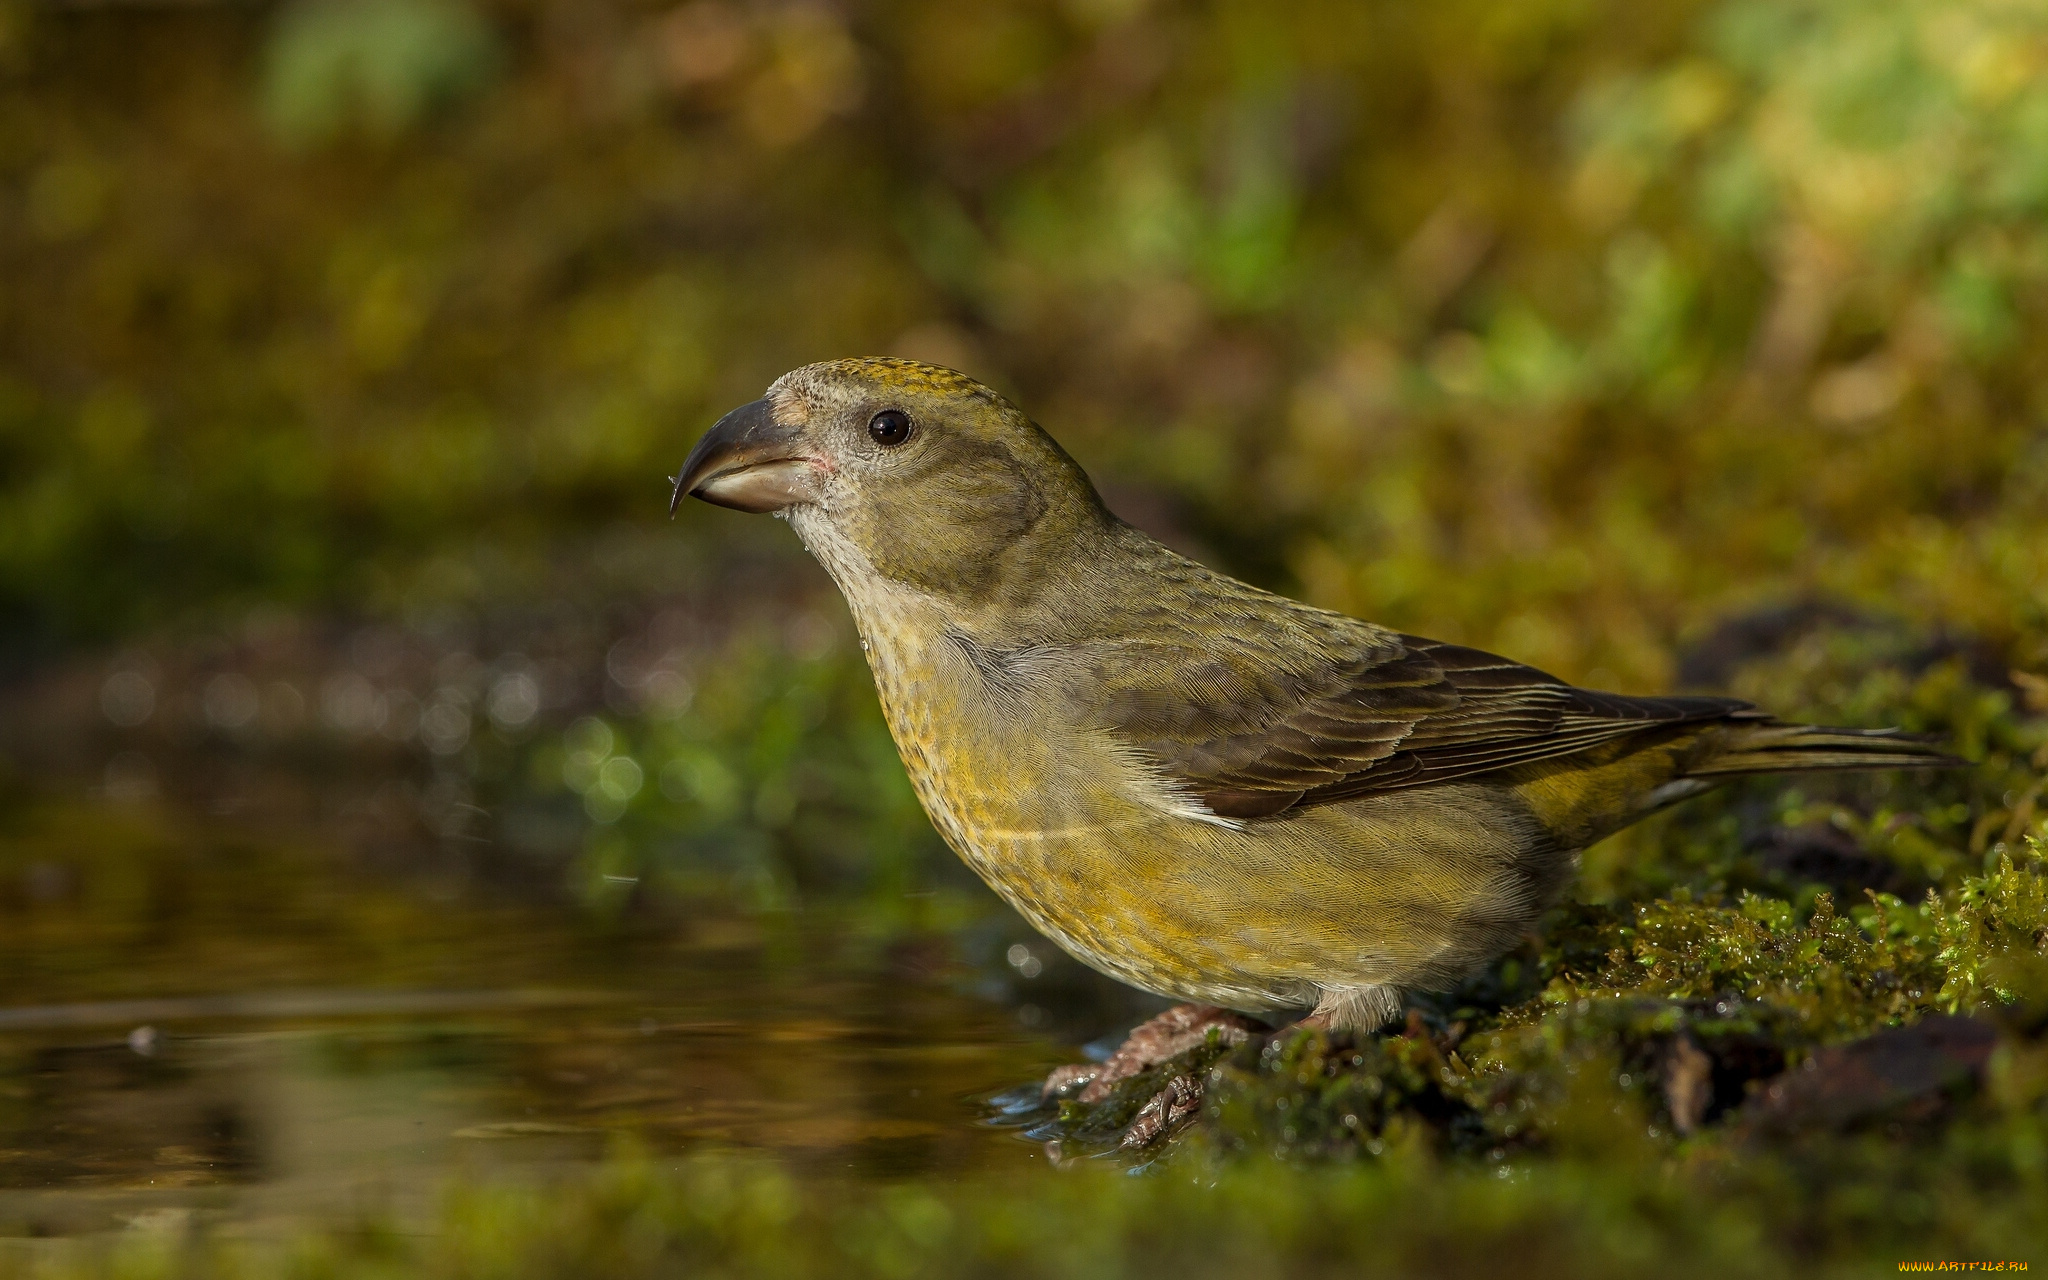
(1770, 747)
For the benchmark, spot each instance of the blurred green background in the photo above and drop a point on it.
(1560, 327)
(345, 346)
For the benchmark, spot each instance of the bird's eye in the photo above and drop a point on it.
(890, 427)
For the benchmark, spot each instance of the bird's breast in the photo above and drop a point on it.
(994, 770)
(998, 769)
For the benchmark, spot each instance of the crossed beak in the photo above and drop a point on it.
(750, 462)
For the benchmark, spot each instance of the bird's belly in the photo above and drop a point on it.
(1408, 889)
(1042, 817)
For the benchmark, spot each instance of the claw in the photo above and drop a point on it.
(1181, 1098)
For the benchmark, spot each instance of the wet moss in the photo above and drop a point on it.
(1688, 1007)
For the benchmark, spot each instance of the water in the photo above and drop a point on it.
(225, 1020)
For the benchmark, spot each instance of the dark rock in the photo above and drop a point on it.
(1711, 662)
(1905, 1073)
(1827, 856)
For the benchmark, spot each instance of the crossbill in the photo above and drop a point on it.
(1200, 788)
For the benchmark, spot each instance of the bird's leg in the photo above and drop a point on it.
(1174, 1032)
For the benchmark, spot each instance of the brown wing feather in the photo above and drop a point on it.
(1394, 712)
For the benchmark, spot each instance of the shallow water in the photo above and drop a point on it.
(233, 1022)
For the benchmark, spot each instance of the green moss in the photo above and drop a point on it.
(1407, 1212)
(1994, 927)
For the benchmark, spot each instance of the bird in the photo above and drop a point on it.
(1203, 789)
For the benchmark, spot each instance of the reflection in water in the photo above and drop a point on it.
(248, 1034)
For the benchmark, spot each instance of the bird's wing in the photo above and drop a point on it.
(1254, 725)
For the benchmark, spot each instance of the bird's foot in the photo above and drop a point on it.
(1355, 1009)
(1172, 1033)
(1181, 1098)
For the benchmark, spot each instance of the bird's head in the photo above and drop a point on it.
(932, 479)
